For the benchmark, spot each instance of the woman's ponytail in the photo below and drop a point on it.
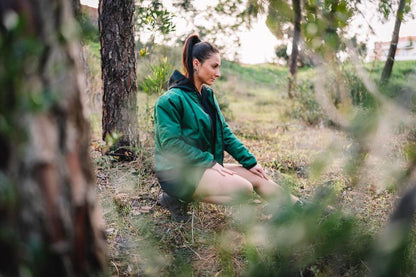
(187, 55)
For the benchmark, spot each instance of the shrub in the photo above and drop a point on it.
(359, 93)
(354, 90)
(306, 107)
(156, 81)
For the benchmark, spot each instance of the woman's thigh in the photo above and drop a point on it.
(245, 173)
(214, 183)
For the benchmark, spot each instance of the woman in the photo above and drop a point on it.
(191, 136)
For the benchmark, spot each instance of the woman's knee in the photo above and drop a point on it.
(235, 184)
(249, 186)
(219, 184)
(244, 185)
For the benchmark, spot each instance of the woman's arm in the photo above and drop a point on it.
(233, 145)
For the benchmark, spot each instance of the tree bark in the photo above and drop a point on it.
(118, 64)
(295, 47)
(76, 6)
(50, 224)
(388, 66)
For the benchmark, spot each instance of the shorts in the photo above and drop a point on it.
(180, 184)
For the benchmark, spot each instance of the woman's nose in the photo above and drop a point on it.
(218, 73)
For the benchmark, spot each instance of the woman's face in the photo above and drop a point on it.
(209, 70)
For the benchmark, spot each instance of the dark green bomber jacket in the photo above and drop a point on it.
(184, 135)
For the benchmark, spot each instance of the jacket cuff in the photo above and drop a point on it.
(250, 166)
(212, 164)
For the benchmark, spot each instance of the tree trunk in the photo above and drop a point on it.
(49, 222)
(388, 66)
(118, 64)
(86, 93)
(76, 6)
(295, 47)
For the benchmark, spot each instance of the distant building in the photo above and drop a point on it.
(406, 49)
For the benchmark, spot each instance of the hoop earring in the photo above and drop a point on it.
(195, 70)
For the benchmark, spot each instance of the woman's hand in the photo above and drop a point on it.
(222, 170)
(259, 171)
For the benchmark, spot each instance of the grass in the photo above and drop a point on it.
(242, 240)
(262, 75)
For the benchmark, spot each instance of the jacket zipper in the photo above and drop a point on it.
(222, 131)
(213, 139)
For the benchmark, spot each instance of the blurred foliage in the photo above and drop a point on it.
(19, 59)
(359, 46)
(280, 18)
(89, 30)
(308, 241)
(153, 17)
(399, 89)
(324, 24)
(386, 9)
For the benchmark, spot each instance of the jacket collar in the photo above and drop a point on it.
(178, 80)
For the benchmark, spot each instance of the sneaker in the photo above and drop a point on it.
(177, 208)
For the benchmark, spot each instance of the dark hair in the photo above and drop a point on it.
(194, 48)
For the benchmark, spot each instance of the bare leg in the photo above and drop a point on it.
(217, 199)
(219, 189)
(267, 189)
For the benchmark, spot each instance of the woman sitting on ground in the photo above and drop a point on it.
(191, 136)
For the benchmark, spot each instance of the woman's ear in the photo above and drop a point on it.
(195, 63)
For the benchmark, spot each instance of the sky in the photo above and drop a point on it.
(258, 43)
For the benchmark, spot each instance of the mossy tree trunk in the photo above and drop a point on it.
(118, 64)
(50, 224)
